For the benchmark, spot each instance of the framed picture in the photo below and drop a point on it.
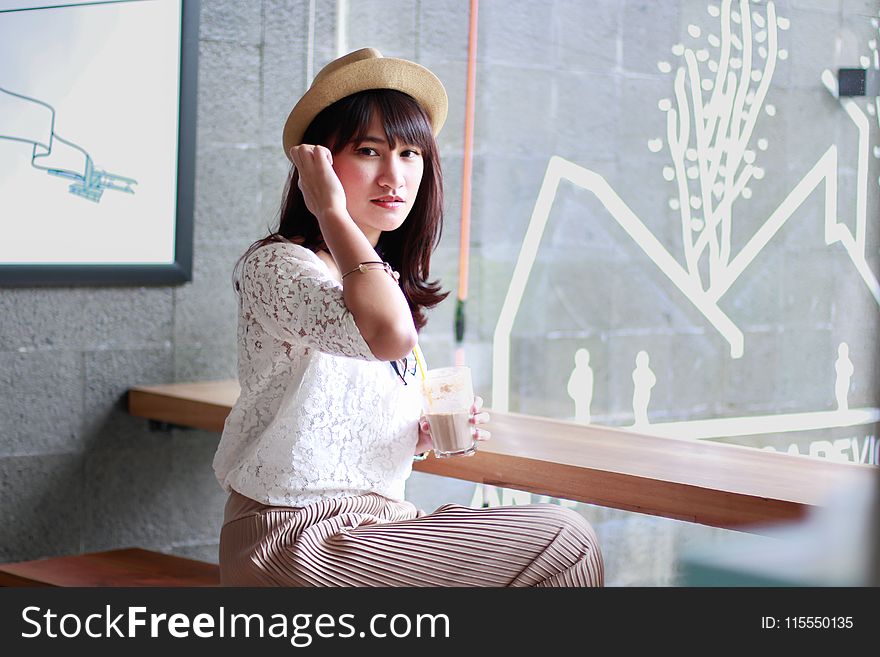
(97, 141)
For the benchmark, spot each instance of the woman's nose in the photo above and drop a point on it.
(392, 174)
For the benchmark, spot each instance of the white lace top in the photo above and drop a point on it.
(318, 417)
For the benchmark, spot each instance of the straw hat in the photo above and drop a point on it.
(358, 71)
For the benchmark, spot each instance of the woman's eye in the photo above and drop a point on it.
(411, 153)
(366, 150)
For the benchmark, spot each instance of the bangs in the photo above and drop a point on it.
(403, 119)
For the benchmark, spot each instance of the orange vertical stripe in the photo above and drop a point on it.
(464, 244)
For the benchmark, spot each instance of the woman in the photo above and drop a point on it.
(316, 451)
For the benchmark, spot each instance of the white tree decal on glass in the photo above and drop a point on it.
(719, 96)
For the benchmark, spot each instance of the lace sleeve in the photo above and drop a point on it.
(294, 299)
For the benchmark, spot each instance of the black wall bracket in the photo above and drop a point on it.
(858, 82)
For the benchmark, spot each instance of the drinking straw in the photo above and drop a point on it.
(420, 360)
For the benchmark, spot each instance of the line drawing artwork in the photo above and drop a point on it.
(32, 121)
(710, 127)
(644, 380)
(580, 386)
(844, 369)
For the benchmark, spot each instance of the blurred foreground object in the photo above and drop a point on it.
(837, 544)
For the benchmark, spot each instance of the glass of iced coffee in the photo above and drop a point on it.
(447, 397)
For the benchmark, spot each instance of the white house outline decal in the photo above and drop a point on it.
(723, 276)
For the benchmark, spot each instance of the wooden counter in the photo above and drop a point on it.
(698, 481)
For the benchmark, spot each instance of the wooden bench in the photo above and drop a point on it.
(130, 567)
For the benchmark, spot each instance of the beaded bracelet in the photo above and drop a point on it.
(364, 267)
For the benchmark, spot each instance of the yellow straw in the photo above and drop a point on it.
(420, 360)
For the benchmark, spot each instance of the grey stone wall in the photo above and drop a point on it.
(575, 79)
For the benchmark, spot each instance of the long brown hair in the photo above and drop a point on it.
(408, 248)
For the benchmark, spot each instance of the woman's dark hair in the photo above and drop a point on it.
(408, 248)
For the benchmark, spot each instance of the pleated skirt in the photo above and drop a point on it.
(369, 540)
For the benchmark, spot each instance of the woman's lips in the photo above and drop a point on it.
(388, 205)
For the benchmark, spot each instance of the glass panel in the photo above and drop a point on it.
(674, 226)
(673, 216)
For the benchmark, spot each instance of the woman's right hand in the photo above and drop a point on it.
(318, 181)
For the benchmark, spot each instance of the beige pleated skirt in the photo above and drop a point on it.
(369, 540)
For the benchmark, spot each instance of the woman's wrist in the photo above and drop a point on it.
(345, 240)
(334, 216)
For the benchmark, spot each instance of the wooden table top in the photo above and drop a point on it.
(699, 481)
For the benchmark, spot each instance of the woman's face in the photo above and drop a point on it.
(380, 182)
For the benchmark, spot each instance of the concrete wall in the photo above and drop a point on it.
(569, 78)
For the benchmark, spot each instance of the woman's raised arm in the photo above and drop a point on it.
(374, 298)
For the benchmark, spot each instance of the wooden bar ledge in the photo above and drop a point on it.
(699, 481)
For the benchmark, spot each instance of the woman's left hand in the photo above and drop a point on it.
(477, 418)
